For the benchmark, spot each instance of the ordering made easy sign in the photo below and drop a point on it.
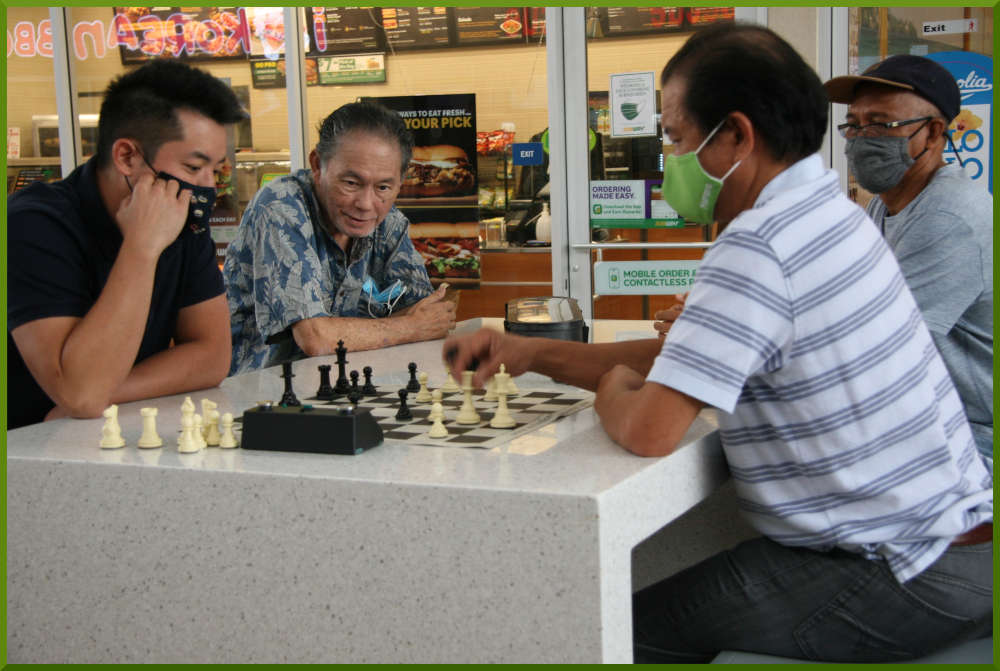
(643, 277)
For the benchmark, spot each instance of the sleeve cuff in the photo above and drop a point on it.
(676, 377)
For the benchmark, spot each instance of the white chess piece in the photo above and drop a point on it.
(111, 432)
(207, 407)
(450, 386)
(228, 438)
(187, 410)
(491, 389)
(187, 442)
(149, 437)
(198, 437)
(424, 395)
(467, 414)
(502, 418)
(438, 429)
(509, 385)
(212, 428)
(436, 396)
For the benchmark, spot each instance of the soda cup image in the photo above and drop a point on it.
(614, 281)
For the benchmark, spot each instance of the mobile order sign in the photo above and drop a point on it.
(643, 277)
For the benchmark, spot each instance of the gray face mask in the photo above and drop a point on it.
(878, 163)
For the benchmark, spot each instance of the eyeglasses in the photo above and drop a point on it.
(877, 129)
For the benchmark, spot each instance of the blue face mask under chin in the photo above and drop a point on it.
(388, 297)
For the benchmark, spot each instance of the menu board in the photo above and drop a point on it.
(643, 20)
(534, 22)
(697, 16)
(193, 33)
(487, 25)
(343, 30)
(415, 27)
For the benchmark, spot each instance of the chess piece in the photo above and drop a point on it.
(436, 396)
(212, 428)
(111, 432)
(467, 413)
(354, 382)
(228, 438)
(404, 410)
(325, 391)
(424, 395)
(509, 387)
(438, 429)
(198, 437)
(288, 398)
(413, 384)
(354, 395)
(187, 410)
(149, 437)
(368, 389)
(187, 441)
(342, 385)
(502, 418)
(207, 407)
(491, 389)
(450, 386)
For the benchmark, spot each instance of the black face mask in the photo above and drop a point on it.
(202, 200)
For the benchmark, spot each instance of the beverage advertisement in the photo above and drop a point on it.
(440, 185)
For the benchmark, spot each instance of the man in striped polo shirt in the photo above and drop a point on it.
(845, 437)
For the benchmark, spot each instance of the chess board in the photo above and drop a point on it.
(531, 410)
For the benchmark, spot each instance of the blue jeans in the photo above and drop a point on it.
(834, 606)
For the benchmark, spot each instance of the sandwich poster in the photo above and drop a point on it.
(440, 188)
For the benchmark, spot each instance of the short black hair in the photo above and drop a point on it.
(731, 67)
(369, 117)
(142, 105)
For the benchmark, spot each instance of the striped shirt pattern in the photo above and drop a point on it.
(284, 266)
(840, 424)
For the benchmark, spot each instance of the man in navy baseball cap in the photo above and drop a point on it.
(938, 221)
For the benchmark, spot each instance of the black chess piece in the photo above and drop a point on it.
(354, 396)
(342, 386)
(404, 410)
(288, 398)
(368, 389)
(325, 391)
(413, 384)
(354, 381)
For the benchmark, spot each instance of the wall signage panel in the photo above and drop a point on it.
(488, 25)
(343, 30)
(200, 33)
(415, 27)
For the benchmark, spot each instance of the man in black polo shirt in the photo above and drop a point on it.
(113, 292)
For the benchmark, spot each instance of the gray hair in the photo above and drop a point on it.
(368, 117)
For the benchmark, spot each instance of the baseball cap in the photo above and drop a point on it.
(912, 73)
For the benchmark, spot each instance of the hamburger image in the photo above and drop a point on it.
(438, 170)
(448, 250)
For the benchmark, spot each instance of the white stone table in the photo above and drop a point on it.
(400, 554)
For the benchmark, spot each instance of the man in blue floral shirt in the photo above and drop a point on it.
(321, 252)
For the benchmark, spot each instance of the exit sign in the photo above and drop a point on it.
(527, 153)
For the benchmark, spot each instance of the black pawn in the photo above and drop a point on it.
(325, 392)
(354, 382)
(354, 396)
(342, 386)
(413, 384)
(288, 398)
(404, 410)
(368, 389)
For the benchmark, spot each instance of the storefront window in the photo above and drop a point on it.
(32, 142)
(627, 48)
(109, 41)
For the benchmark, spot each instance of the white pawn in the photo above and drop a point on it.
(212, 428)
(228, 438)
(111, 432)
(187, 442)
(491, 389)
(508, 386)
(424, 395)
(502, 418)
(438, 429)
(450, 386)
(436, 397)
(199, 437)
(149, 437)
(467, 414)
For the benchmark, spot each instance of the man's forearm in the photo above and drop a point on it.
(582, 365)
(185, 367)
(318, 336)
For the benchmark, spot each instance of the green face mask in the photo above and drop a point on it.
(690, 190)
